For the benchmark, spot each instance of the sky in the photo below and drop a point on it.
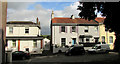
(29, 11)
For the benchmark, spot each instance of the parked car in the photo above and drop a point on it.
(20, 55)
(99, 48)
(75, 50)
(58, 49)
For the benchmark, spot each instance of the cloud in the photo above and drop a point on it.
(19, 11)
(19, 5)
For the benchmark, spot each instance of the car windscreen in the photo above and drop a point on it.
(94, 47)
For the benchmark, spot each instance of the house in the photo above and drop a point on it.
(46, 44)
(24, 36)
(70, 31)
(105, 35)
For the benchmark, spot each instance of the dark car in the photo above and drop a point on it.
(75, 50)
(20, 55)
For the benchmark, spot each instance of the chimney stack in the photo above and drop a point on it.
(72, 17)
(52, 15)
(37, 20)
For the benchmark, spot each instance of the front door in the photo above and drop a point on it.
(73, 41)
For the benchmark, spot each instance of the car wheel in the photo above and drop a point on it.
(69, 54)
(23, 58)
(83, 53)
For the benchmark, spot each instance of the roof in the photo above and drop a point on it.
(69, 20)
(100, 19)
(20, 22)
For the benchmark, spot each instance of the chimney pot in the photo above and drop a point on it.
(72, 17)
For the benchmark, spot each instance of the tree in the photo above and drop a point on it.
(110, 10)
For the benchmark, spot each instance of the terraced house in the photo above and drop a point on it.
(70, 31)
(105, 35)
(24, 36)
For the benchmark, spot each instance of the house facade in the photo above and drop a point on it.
(24, 36)
(105, 35)
(71, 31)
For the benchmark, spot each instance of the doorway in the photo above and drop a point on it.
(73, 41)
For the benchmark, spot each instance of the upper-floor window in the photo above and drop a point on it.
(26, 29)
(63, 41)
(73, 29)
(111, 39)
(62, 28)
(103, 38)
(96, 28)
(13, 43)
(86, 29)
(10, 29)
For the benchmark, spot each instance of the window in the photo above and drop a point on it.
(86, 29)
(106, 29)
(73, 28)
(111, 39)
(10, 29)
(96, 28)
(13, 43)
(63, 41)
(26, 30)
(63, 29)
(87, 39)
(103, 38)
(34, 43)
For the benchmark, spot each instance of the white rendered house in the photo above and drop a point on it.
(24, 36)
(71, 31)
(46, 44)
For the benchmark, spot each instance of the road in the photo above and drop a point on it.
(111, 57)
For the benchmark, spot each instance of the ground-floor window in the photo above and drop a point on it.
(63, 41)
(13, 43)
(34, 43)
(103, 38)
(111, 39)
(87, 40)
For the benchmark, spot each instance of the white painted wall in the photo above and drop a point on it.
(46, 44)
(20, 31)
(56, 35)
(25, 44)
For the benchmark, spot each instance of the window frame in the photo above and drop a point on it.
(62, 28)
(110, 39)
(26, 30)
(10, 29)
(13, 43)
(87, 39)
(86, 30)
(63, 42)
(103, 40)
(73, 28)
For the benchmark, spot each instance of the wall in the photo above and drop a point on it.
(25, 44)
(56, 35)
(20, 31)
(107, 34)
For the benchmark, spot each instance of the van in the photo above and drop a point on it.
(99, 48)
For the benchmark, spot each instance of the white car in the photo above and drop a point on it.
(99, 48)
